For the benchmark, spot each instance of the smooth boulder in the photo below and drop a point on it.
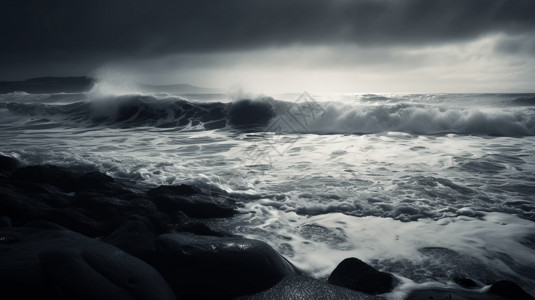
(509, 290)
(352, 273)
(208, 267)
(45, 261)
(192, 202)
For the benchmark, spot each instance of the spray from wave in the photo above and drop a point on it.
(121, 104)
(416, 119)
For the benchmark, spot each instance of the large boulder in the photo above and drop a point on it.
(509, 290)
(192, 202)
(23, 204)
(209, 267)
(352, 273)
(136, 237)
(8, 164)
(46, 261)
(301, 287)
(49, 174)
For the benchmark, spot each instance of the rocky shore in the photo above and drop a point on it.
(85, 235)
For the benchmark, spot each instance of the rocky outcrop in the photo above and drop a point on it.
(45, 261)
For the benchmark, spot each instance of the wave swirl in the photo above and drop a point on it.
(128, 111)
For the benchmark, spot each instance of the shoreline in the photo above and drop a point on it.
(65, 234)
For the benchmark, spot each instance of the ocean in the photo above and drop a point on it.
(429, 187)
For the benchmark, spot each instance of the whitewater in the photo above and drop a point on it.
(429, 187)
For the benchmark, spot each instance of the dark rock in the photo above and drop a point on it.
(29, 187)
(46, 261)
(96, 181)
(509, 290)
(104, 207)
(98, 204)
(205, 267)
(200, 228)
(76, 219)
(68, 181)
(49, 174)
(165, 190)
(136, 237)
(300, 287)
(8, 164)
(20, 205)
(180, 222)
(355, 274)
(193, 203)
(465, 282)
(5, 222)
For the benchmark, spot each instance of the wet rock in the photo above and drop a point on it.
(22, 205)
(182, 189)
(193, 203)
(301, 287)
(5, 222)
(47, 261)
(206, 267)
(465, 282)
(116, 210)
(8, 164)
(96, 181)
(509, 290)
(76, 219)
(68, 181)
(103, 206)
(49, 174)
(136, 237)
(354, 274)
(200, 228)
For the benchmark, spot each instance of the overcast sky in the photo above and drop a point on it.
(277, 45)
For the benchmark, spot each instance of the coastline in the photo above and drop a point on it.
(88, 235)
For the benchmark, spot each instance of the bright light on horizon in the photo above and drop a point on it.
(473, 66)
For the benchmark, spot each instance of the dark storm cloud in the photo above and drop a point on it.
(66, 29)
(516, 45)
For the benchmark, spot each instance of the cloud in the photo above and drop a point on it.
(464, 66)
(140, 28)
(332, 43)
(516, 45)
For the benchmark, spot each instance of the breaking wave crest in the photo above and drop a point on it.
(138, 110)
(418, 119)
(125, 111)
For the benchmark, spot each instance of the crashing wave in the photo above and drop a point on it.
(272, 115)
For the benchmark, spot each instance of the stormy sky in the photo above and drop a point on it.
(277, 45)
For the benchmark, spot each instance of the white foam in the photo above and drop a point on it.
(413, 118)
(334, 237)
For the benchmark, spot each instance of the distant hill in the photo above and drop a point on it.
(48, 85)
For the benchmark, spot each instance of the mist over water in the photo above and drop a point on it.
(425, 186)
